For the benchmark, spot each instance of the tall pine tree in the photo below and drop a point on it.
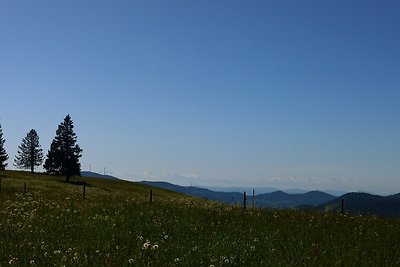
(63, 156)
(30, 154)
(3, 152)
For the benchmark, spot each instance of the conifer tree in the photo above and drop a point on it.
(30, 154)
(3, 153)
(63, 156)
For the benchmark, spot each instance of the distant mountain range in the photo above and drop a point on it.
(354, 203)
(281, 199)
(263, 190)
(277, 199)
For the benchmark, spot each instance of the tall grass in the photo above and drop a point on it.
(116, 226)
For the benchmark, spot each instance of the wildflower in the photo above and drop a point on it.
(253, 247)
(32, 262)
(57, 252)
(155, 247)
(166, 237)
(146, 245)
(11, 261)
(130, 261)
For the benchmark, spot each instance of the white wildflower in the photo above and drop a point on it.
(146, 245)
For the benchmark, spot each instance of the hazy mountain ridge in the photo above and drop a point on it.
(280, 199)
(277, 199)
(354, 203)
(263, 190)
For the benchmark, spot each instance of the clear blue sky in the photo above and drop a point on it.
(291, 94)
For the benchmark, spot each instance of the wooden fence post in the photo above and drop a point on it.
(84, 191)
(342, 209)
(25, 188)
(253, 198)
(244, 200)
(151, 196)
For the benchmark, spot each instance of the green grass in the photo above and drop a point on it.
(51, 225)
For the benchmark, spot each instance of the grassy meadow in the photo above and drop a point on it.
(52, 225)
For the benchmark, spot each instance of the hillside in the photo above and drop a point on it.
(97, 175)
(224, 197)
(51, 224)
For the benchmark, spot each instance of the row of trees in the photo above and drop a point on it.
(62, 158)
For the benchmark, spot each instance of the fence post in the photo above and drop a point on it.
(151, 196)
(25, 188)
(244, 200)
(84, 191)
(342, 209)
(1, 178)
(253, 198)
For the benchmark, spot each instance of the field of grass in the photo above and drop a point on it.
(52, 225)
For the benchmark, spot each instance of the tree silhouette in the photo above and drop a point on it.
(63, 156)
(3, 153)
(30, 154)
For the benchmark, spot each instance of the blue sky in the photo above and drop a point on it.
(291, 94)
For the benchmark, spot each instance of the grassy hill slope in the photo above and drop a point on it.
(51, 224)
